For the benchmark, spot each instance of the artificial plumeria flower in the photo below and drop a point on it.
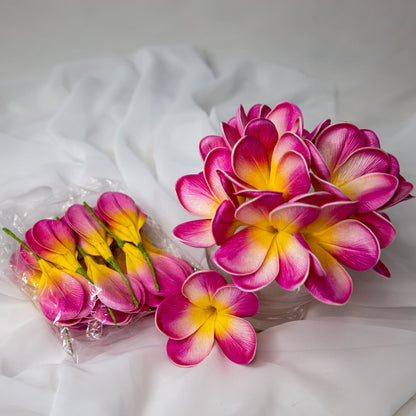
(298, 243)
(207, 310)
(349, 163)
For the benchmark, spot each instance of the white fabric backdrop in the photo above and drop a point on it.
(138, 120)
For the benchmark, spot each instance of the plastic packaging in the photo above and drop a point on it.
(91, 314)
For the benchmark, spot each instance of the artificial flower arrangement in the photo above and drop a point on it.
(281, 204)
(96, 268)
(291, 206)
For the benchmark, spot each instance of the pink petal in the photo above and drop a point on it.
(287, 117)
(256, 211)
(315, 198)
(352, 244)
(382, 269)
(372, 190)
(102, 314)
(264, 131)
(231, 300)
(332, 213)
(318, 163)
(258, 110)
(241, 119)
(370, 138)
(317, 130)
(223, 223)
(195, 195)
(293, 260)
(54, 236)
(245, 251)
(192, 350)
(333, 288)
(290, 141)
(200, 287)
(321, 185)
(402, 193)
(210, 142)
(231, 134)
(337, 142)
(218, 159)
(381, 227)
(237, 338)
(359, 163)
(178, 318)
(290, 176)
(195, 233)
(293, 217)
(251, 163)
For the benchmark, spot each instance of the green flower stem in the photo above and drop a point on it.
(22, 243)
(149, 262)
(121, 243)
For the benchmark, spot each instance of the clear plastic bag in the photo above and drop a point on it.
(93, 336)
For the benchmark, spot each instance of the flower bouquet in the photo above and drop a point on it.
(282, 205)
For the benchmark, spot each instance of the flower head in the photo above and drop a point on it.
(206, 310)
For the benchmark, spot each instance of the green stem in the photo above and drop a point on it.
(68, 340)
(15, 237)
(149, 262)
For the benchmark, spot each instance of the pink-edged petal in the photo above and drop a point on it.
(372, 190)
(293, 217)
(218, 159)
(257, 111)
(333, 288)
(264, 275)
(402, 193)
(27, 256)
(381, 227)
(102, 314)
(178, 318)
(294, 261)
(286, 117)
(290, 141)
(200, 287)
(224, 224)
(61, 296)
(210, 142)
(90, 296)
(381, 269)
(359, 163)
(337, 142)
(318, 163)
(195, 195)
(251, 163)
(193, 349)
(290, 176)
(245, 251)
(315, 198)
(321, 185)
(264, 131)
(370, 138)
(195, 233)
(231, 134)
(241, 119)
(394, 166)
(236, 338)
(320, 127)
(351, 243)
(54, 236)
(256, 211)
(231, 300)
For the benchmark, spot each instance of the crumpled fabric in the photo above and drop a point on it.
(137, 121)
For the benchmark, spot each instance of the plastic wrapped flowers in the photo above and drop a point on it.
(287, 205)
(96, 268)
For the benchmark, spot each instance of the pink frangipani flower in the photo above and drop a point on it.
(206, 310)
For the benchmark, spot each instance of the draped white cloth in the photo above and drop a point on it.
(137, 121)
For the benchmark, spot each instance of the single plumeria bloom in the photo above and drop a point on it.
(84, 221)
(62, 297)
(349, 163)
(299, 243)
(207, 310)
(171, 271)
(284, 169)
(211, 196)
(122, 216)
(267, 248)
(285, 117)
